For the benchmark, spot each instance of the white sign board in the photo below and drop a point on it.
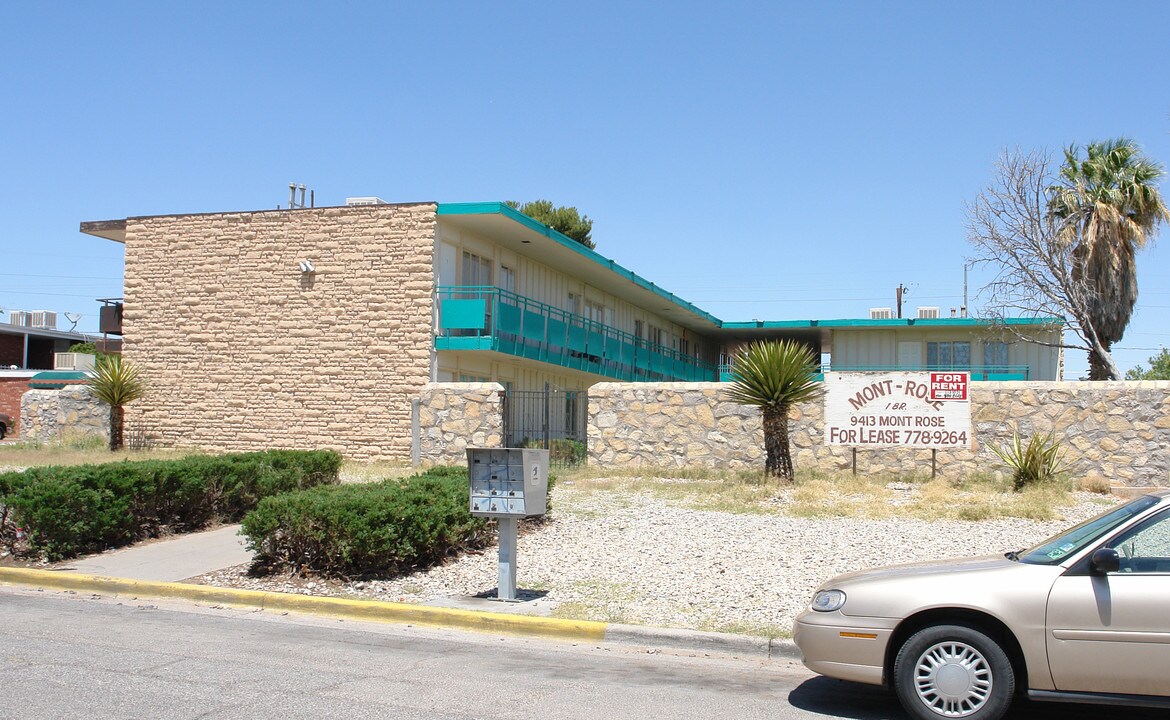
(907, 409)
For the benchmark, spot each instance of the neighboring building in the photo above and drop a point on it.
(29, 342)
(316, 326)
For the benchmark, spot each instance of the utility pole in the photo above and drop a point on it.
(901, 292)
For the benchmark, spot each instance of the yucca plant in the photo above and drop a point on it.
(773, 376)
(1035, 462)
(116, 383)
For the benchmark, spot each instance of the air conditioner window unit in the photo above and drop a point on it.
(82, 362)
(19, 317)
(357, 201)
(928, 312)
(881, 313)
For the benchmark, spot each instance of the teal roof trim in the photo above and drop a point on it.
(499, 208)
(893, 322)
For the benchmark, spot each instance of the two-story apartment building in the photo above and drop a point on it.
(316, 326)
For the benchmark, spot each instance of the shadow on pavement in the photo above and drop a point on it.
(840, 699)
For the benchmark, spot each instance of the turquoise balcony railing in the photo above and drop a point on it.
(488, 318)
(984, 372)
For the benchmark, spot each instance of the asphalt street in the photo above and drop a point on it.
(69, 655)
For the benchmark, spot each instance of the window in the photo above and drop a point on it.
(595, 311)
(507, 279)
(466, 377)
(948, 354)
(1146, 548)
(637, 330)
(655, 335)
(476, 270)
(995, 354)
(574, 304)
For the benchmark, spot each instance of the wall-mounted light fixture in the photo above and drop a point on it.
(307, 266)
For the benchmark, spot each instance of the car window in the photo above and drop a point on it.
(1145, 548)
(1055, 549)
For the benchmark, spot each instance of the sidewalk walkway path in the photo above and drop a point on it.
(169, 560)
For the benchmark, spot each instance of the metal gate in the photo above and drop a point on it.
(549, 419)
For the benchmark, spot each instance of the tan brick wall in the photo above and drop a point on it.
(242, 351)
(1118, 431)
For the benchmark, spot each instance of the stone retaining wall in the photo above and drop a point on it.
(1117, 431)
(71, 412)
(455, 416)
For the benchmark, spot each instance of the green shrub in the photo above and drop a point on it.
(64, 511)
(1036, 462)
(375, 529)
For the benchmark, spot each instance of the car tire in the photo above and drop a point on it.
(977, 680)
(2, 430)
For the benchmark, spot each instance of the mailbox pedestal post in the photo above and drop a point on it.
(507, 484)
(506, 589)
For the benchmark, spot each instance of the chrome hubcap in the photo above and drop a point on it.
(953, 679)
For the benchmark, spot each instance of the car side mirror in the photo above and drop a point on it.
(1104, 561)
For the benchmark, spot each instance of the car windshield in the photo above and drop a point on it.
(1078, 537)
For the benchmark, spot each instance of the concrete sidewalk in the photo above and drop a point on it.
(169, 560)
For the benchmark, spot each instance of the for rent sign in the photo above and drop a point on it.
(913, 409)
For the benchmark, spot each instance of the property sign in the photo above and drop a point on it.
(911, 409)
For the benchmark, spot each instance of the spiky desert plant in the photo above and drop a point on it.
(773, 376)
(1035, 462)
(116, 383)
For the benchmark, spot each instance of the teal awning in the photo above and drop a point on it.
(56, 379)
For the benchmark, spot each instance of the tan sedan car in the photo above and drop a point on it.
(1081, 617)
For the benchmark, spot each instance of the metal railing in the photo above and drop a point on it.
(488, 318)
(978, 373)
(550, 419)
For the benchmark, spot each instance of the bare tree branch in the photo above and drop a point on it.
(1011, 228)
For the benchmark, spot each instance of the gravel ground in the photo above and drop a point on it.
(635, 558)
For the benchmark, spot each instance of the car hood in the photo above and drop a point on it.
(981, 563)
(991, 582)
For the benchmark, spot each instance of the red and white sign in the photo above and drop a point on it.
(949, 385)
(913, 410)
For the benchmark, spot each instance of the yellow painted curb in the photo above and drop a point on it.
(370, 610)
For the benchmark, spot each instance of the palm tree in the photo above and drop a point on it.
(1110, 208)
(116, 383)
(773, 376)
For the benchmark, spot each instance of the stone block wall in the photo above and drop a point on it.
(71, 412)
(1118, 431)
(455, 416)
(243, 351)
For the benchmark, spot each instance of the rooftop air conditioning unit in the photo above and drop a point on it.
(43, 319)
(19, 317)
(78, 362)
(358, 201)
(928, 313)
(881, 313)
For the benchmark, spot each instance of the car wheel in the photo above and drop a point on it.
(953, 671)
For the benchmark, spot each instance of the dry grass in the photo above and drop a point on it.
(74, 451)
(816, 494)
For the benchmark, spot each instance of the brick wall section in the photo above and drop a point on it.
(1117, 431)
(11, 350)
(242, 351)
(11, 388)
(456, 416)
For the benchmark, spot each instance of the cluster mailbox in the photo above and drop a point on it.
(508, 482)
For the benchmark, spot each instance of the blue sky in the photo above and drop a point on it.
(772, 161)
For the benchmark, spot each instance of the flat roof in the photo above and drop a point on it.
(499, 221)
